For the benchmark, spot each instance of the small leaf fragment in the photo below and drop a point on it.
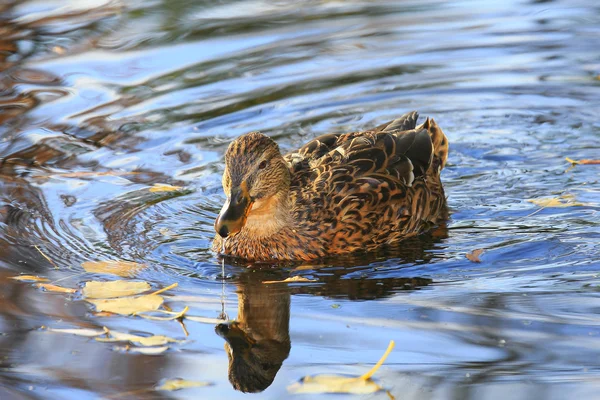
(177, 384)
(124, 269)
(341, 384)
(103, 314)
(54, 288)
(296, 278)
(576, 162)
(474, 255)
(107, 290)
(334, 384)
(162, 187)
(129, 305)
(562, 201)
(171, 315)
(29, 278)
(80, 332)
(172, 286)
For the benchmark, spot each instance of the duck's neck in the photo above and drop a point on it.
(268, 217)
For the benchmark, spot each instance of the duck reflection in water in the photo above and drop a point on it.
(258, 342)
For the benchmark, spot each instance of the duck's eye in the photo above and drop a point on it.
(262, 165)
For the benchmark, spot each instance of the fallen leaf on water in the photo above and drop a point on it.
(54, 288)
(171, 315)
(161, 187)
(576, 162)
(174, 285)
(176, 384)
(341, 384)
(107, 290)
(129, 305)
(334, 384)
(29, 278)
(149, 351)
(148, 341)
(46, 257)
(566, 200)
(168, 233)
(296, 278)
(80, 332)
(474, 255)
(103, 314)
(124, 269)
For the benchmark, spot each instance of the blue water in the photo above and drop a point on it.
(99, 100)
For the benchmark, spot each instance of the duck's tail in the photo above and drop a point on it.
(440, 145)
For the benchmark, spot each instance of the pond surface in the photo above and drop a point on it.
(100, 100)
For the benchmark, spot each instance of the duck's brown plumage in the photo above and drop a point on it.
(339, 193)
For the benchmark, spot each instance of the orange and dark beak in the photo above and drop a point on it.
(233, 215)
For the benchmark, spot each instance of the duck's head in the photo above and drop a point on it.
(256, 182)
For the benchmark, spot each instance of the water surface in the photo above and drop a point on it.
(99, 100)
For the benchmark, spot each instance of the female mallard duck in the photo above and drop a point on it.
(339, 193)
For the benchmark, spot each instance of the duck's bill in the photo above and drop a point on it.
(234, 335)
(233, 215)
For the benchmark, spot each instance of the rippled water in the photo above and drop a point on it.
(99, 100)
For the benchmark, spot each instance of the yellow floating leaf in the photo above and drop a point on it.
(46, 257)
(129, 305)
(107, 290)
(124, 269)
(174, 285)
(54, 288)
(103, 314)
(562, 201)
(296, 278)
(149, 351)
(575, 162)
(341, 384)
(474, 255)
(29, 278)
(168, 233)
(171, 315)
(81, 332)
(161, 187)
(148, 341)
(176, 384)
(334, 384)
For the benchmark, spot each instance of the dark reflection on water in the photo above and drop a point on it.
(99, 100)
(258, 341)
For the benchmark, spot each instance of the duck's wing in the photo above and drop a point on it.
(386, 147)
(406, 122)
(390, 149)
(364, 188)
(398, 149)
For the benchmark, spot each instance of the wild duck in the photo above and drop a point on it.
(339, 193)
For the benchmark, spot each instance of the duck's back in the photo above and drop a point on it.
(361, 190)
